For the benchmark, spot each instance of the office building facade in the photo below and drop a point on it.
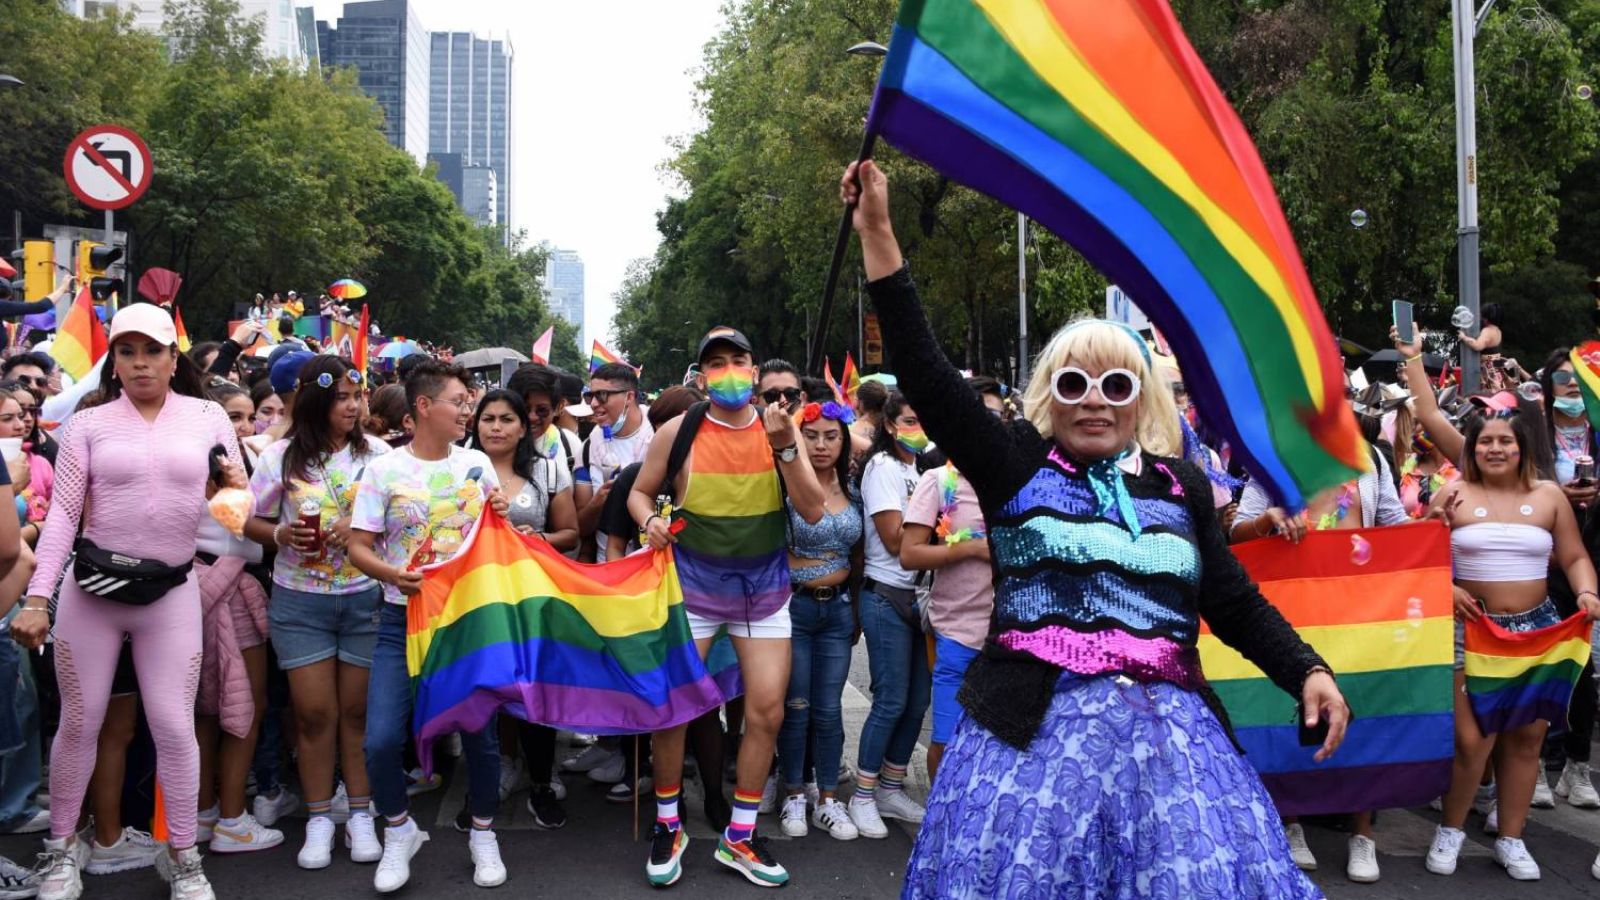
(563, 286)
(469, 113)
(386, 44)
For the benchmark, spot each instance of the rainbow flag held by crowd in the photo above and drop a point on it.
(1517, 678)
(81, 342)
(1586, 366)
(511, 624)
(1100, 121)
(1376, 604)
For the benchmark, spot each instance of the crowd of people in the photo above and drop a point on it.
(1032, 566)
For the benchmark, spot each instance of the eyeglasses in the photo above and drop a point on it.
(601, 397)
(30, 411)
(541, 412)
(1071, 385)
(461, 403)
(31, 380)
(1556, 377)
(773, 395)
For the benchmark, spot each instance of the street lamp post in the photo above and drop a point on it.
(1466, 20)
(1022, 298)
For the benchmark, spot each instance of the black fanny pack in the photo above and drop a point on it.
(902, 600)
(123, 578)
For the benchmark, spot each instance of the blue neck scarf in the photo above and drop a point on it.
(1105, 478)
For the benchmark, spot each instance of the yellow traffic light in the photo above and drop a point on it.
(38, 269)
(93, 260)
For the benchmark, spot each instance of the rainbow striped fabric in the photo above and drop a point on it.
(731, 553)
(509, 623)
(600, 354)
(1517, 678)
(1376, 604)
(81, 342)
(1100, 121)
(1586, 366)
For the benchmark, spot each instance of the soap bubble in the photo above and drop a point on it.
(1360, 550)
(1358, 218)
(1462, 318)
(1585, 92)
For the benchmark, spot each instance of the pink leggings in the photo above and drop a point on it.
(166, 654)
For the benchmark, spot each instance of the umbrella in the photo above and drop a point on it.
(1351, 348)
(1383, 362)
(347, 289)
(159, 286)
(398, 350)
(488, 357)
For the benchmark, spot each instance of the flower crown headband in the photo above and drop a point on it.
(838, 412)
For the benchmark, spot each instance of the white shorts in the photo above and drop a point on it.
(773, 626)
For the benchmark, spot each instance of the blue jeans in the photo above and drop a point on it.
(389, 724)
(21, 769)
(819, 661)
(901, 683)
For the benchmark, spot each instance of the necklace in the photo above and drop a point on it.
(1330, 520)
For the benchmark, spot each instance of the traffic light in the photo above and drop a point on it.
(93, 260)
(39, 268)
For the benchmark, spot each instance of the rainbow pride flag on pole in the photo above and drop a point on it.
(1099, 120)
(1376, 604)
(509, 623)
(1517, 678)
(600, 355)
(81, 342)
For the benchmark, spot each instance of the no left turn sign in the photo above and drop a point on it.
(107, 167)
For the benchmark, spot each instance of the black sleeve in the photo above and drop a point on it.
(953, 415)
(614, 517)
(227, 355)
(1232, 604)
(9, 308)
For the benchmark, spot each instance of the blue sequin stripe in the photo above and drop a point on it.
(1041, 538)
(1145, 606)
(1052, 489)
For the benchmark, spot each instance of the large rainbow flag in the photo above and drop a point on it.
(1097, 118)
(1376, 604)
(1517, 678)
(81, 342)
(1586, 367)
(509, 623)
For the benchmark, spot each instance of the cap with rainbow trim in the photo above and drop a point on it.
(722, 334)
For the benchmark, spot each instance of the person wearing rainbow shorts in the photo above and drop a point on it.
(733, 563)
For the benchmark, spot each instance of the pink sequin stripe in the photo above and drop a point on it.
(1061, 460)
(1100, 652)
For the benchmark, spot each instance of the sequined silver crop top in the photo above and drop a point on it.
(829, 541)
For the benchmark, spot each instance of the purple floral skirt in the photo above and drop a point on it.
(1128, 790)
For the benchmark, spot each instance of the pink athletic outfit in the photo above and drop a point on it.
(144, 483)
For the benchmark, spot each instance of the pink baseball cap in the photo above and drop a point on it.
(144, 318)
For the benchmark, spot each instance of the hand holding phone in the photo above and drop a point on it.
(1404, 324)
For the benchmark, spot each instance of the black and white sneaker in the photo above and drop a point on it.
(545, 808)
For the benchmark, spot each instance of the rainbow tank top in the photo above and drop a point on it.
(732, 553)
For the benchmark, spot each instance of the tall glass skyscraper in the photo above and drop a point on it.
(386, 43)
(563, 287)
(469, 113)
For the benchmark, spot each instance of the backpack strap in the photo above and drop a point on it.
(681, 444)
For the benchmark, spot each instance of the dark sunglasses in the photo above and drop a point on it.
(540, 413)
(773, 395)
(31, 380)
(1557, 377)
(601, 397)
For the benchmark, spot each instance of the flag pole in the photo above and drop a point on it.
(819, 344)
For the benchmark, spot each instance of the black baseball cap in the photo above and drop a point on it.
(722, 334)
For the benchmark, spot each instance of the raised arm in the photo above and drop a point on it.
(1424, 403)
(953, 414)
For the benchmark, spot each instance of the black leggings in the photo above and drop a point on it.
(538, 750)
(1580, 717)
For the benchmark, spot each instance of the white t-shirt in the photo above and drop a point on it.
(605, 458)
(886, 484)
(409, 503)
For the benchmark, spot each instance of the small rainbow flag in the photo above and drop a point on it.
(359, 347)
(1516, 678)
(183, 333)
(509, 623)
(850, 379)
(1100, 121)
(1586, 366)
(600, 355)
(81, 342)
(1376, 604)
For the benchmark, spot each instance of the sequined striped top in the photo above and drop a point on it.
(1078, 591)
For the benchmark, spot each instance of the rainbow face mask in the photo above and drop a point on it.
(912, 440)
(731, 388)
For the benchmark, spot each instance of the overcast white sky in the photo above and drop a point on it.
(598, 90)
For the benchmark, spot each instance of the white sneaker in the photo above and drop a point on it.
(361, 838)
(268, 809)
(204, 821)
(185, 875)
(513, 777)
(557, 786)
(769, 796)
(899, 805)
(1483, 801)
(1542, 798)
(63, 869)
(813, 794)
(18, 882)
(487, 869)
(399, 845)
(1491, 822)
(318, 850)
(245, 836)
(611, 771)
(1595, 869)
(864, 813)
(794, 816)
(846, 772)
(1446, 848)
(831, 817)
(1363, 865)
(133, 850)
(592, 757)
(39, 821)
(1513, 854)
(1299, 850)
(417, 783)
(339, 812)
(1577, 787)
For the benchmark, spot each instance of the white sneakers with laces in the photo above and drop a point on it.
(400, 843)
(134, 849)
(864, 813)
(899, 805)
(769, 796)
(361, 838)
(1446, 850)
(63, 864)
(487, 868)
(1299, 850)
(1542, 797)
(1577, 787)
(1363, 865)
(244, 835)
(793, 818)
(612, 771)
(184, 874)
(1514, 856)
(592, 757)
(269, 808)
(831, 817)
(318, 850)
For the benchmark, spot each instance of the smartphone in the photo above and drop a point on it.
(1403, 323)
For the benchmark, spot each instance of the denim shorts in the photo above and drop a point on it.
(951, 659)
(309, 628)
(1542, 616)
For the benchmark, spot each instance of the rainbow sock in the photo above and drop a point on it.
(891, 779)
(316, 808)
(743, 823)
(866, 787)
(360, 804)
(667, 806)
